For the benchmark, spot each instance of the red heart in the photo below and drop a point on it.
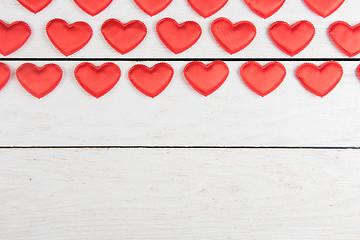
(4, 75)
(153, 7)
(35, 6)
(206, 79)
(265, 8)
(263, 79)
(97, 81)
(206, 8)
(93, 7)
(320, 80)
(292, 39)
(358, 71)
(233, 37)
(123, 37)
(68, 39)
(39, 82)
(151, 81)
(13, 36)
(346, 37)
(178, 37)
(324, 8)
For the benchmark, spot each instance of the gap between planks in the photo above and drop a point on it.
(185, 59)
(184, 147)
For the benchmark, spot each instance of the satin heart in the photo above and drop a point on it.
(34, 6)
(263, 79)
(97, 81)
(39, 82)
(206, 79)
(13, 36)
(93, 7)
(151, 81)
(320, 80)
(324, 8)
(292, 39)
(178, 37)
(346, 37)
(265, 8)
(153, 7)
(123, 37)
(68, 39)
(206, 8)
(4, 75)
(233, 37)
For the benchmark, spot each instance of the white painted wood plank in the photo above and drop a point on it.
(179, 194)
(233, 115)
(126, 10)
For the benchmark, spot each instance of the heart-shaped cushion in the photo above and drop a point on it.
(265, 8)
(233, 37)
(97, 81)
(13, 36)
(346, 37)
(206, 79)
(263, 79)
(93, 7)
(324, 8)
(123, 37)
(151, 81)
(292, 39)
(68, 39)
(178, 37)
(34, 6)
(206, 8)
(39, 82)
(320, 80)
(152, 7)
(4, 75)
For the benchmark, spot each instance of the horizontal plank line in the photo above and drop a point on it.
(183, 59)
(183, 147)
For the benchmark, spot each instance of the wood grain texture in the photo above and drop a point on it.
(233, 115)
(179, 194)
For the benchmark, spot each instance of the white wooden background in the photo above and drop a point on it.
(85, 193)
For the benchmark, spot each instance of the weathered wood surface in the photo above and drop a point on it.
(179, 194)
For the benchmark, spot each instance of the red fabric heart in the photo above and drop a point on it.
(178, 37)
(292, 39)
(123, 37)
(206, 8)
(97, 81)
(39, 82)
(68, 39)
(13, 36)
(152, 7)
(4, 75)
(233, 37)
(151, 81)
(206, 79)
(93, 7)
(263, 79)
(35, 6)
(346, 37)
(320, 80)
(324, 8)
(265, 8)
